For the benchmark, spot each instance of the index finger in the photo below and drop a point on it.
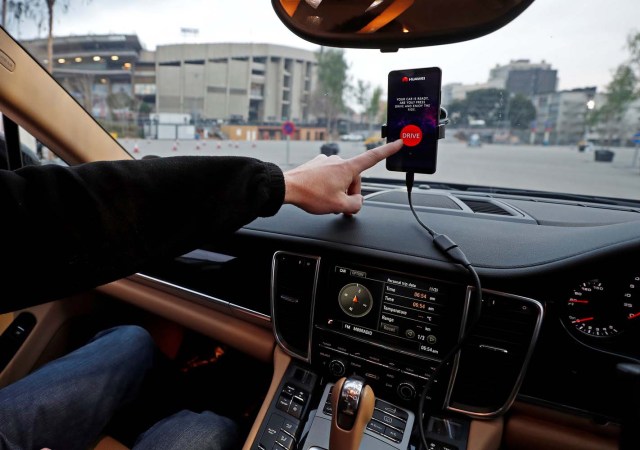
(372, 157)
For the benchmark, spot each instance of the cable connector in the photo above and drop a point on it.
(409, 183)
(449, 247)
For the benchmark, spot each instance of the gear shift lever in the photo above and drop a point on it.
(352, 402)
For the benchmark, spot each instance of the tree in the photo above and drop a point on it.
(81, 87)
(521, 112)
(621, 91)
(363, 97)
(373, 110)
(16, 10)
(489, 105)
(333, 82)
(41, 11)
(50, 8)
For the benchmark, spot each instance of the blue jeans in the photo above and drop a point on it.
(66, 404)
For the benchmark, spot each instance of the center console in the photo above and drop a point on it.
(339, 317)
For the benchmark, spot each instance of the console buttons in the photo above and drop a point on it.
(371, 376)
(393, 329)
(406, 391)
(388, 419)
(357, 365)
(410, 333)
(295, 409)
(272, 431)
(292, 400)
(388, 432)
(283, 403)
(289, 390)
(328, 409)
(388, 408)
(285, 441)
(290, 426)
(393, 434)
(337, 368)
(376, 427)
(300, 396)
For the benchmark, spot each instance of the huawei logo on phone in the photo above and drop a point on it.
(405, 79)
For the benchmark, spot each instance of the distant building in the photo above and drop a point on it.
(458, 91)
(113, 77)
(521, 76)
(562, 116)
(257, 83)
(518, 77)
(105, 73)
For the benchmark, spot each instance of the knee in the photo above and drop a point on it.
(188, 429)
(130, 342)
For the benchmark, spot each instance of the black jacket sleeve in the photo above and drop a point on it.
(67, 229)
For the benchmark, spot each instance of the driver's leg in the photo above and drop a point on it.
(67, 403)
(190, 430)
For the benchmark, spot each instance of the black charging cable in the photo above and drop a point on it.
(445, 245)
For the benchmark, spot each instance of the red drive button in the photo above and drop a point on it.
(411, 135)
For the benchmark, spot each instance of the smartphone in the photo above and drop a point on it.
(413, 110)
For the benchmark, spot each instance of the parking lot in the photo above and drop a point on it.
(549, 168)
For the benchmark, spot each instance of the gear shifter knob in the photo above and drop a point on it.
(352, 402)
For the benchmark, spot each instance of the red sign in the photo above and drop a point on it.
(288, 128)
(411, 135)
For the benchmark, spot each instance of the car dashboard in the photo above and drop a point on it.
(369, 295)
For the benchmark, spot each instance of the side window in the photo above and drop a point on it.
(32, 151)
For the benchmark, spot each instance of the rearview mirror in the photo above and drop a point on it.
(392, 24)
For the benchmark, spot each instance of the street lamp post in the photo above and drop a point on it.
(591, 104)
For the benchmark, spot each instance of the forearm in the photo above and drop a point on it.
(73, 228)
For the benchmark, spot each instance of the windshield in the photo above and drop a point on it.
(550, 102)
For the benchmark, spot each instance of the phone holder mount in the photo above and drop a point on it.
(443, 121)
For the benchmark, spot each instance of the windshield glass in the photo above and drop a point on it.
(550, 102)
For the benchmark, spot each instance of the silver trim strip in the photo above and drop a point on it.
(274, 321)
(202, 299)
(519, 379)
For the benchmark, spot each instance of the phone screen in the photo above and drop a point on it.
(413, 110)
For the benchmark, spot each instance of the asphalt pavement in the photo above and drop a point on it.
(548, 168)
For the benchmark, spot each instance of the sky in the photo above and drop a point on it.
(583, 39)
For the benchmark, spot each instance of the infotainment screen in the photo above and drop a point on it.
(417, 315)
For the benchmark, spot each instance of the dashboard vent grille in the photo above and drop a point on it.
(493, 360)
(485, 207)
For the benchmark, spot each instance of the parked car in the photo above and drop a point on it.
(330, 148)
(373, 141)
(352, 137)
(531, 343)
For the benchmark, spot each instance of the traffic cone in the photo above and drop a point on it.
(136, 149)
(175, 147)
(218, 146)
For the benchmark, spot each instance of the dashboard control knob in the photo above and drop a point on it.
(406, 390)
(337, 367)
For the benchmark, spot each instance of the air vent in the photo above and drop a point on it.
(485, 207)
(293, 291)
(493, 361)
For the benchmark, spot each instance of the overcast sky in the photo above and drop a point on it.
(583, 39)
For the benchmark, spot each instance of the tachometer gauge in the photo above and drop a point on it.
(601, 309)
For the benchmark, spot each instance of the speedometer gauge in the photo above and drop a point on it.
(604, 308)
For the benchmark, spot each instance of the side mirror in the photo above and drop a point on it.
(389, 25)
